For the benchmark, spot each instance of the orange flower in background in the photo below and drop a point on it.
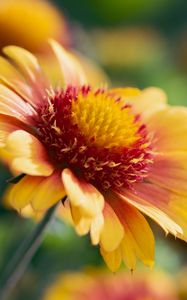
(113, 153)
(122, 286)
(29, 24)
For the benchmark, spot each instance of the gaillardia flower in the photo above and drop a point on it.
(113, 153)
(102, 286)
(29, 24)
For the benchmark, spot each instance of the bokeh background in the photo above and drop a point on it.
(137, 43)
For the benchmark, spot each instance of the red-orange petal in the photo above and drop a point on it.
(13, 105)
(169, 170)
(163, 206)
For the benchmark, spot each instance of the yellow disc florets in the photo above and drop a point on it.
(106, 122)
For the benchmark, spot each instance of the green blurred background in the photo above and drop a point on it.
(139, 43)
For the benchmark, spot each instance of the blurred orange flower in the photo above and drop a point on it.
(122, 286)
(29, 24)
(113, 153)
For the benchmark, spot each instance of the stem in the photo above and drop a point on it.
(17, 266)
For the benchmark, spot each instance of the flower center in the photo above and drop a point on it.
(95, 135)
(104, 121)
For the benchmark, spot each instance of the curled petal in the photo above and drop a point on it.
(82, 194)
(96, 228)
(28, 154)
(72, 72)
(64, 212)
(86, 205)
(81, 223)
(9, 124)
(112, 232)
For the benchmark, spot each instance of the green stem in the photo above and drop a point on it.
(17, 266)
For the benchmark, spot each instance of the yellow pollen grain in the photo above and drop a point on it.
(103, 121)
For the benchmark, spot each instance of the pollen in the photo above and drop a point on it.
(96, 135)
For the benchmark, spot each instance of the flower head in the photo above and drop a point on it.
(114, 153)
(123, 286)
(29, 24)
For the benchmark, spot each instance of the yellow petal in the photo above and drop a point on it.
(84, 224)
(26, 61)
(81, 223)
(29, 155)
(72, 71)
(6, 158)
(128, 252)
(112, 259)
(94, 74)
(137, 230)
(14, 80)
(51, 69)
(21, 194)
(28, 64)
(7, 125)
(96, 228)
(49, 192)
(40, 192)
(146, 102)
(29, 212)
(125, 92)
(64, 212)
(82, 194)
(113, 232)
(170, 129)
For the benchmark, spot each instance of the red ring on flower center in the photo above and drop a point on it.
(112, 167)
